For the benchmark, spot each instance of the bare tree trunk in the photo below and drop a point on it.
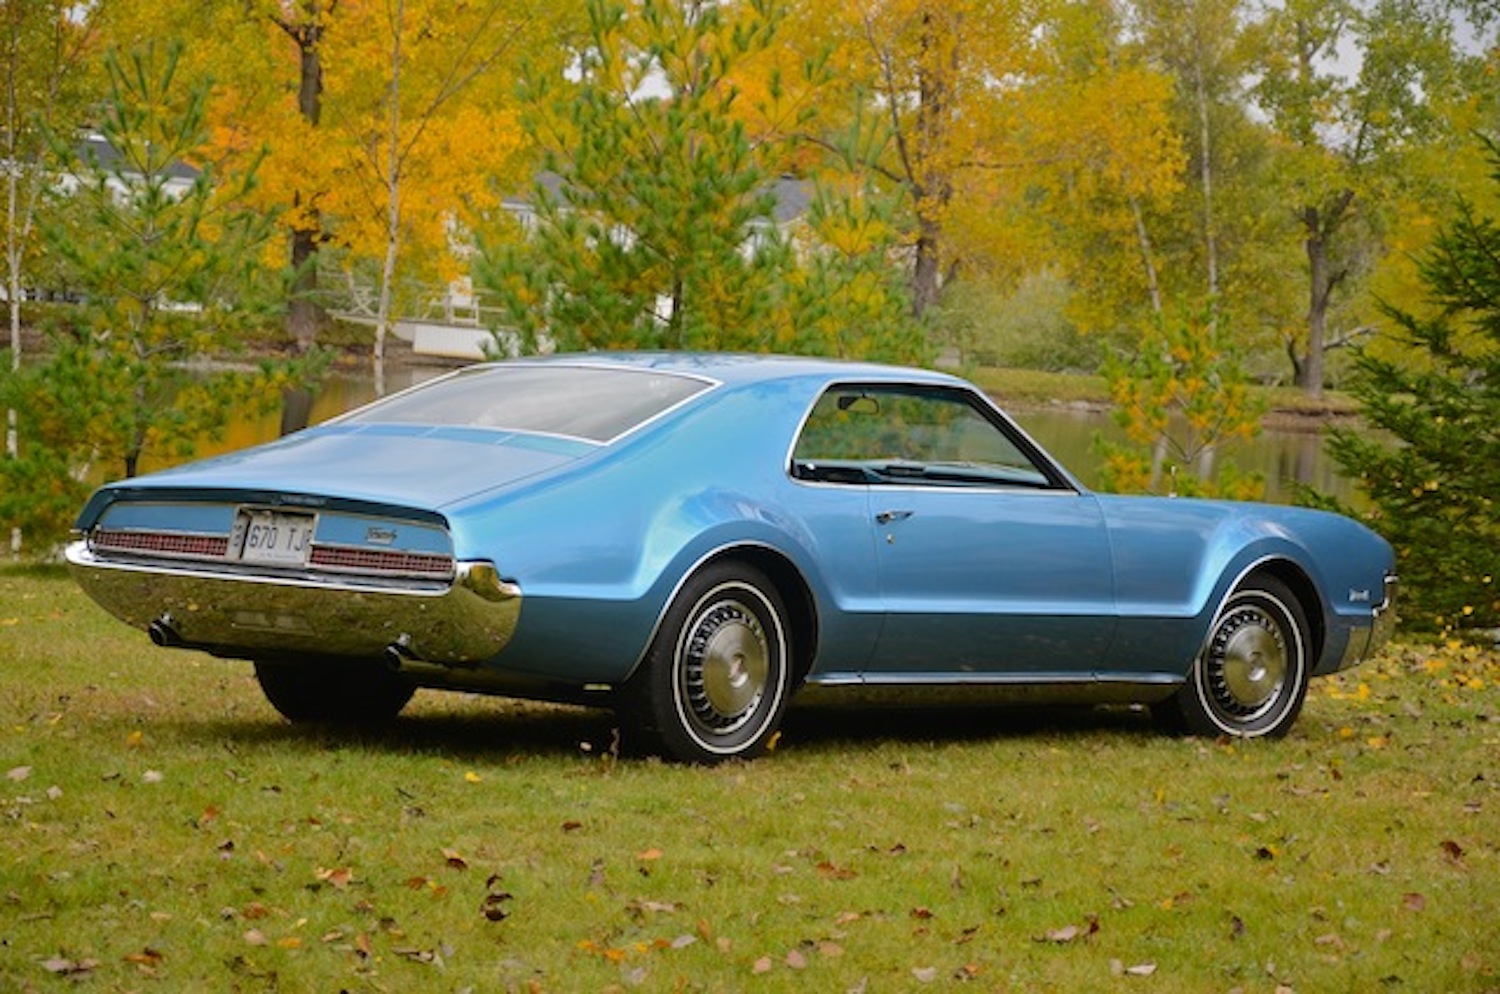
(13, 291)
(392, 196)
(932, 188)
(1205, 172)
(1148, 257)
(1323, 279)
(305, 317)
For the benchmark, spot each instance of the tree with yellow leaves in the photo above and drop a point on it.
(425, 144)
(660, 220)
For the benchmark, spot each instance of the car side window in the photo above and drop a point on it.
(920, 435)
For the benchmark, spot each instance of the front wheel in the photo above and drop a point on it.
(1250, 677)
(333, 690)
(716, 678)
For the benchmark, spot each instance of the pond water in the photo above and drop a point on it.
(1284, 457)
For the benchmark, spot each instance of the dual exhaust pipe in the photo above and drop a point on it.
(398, 656)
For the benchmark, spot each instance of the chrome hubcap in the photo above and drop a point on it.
(727, 661)
(1247, 663)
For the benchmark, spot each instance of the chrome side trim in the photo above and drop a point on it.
(935, 690)
(236, 613)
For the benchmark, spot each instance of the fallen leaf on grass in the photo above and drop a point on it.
(1413, 902)
(762, 965)
(17, 774)
(153, 776)
(1454, 852)
(455, 860)
(924, 974)
(1067, 933)
(339, 877)
(641, 907)
(1071, 933)
(493, 907)
(1119, 969)
(831, 871)
(64, 967)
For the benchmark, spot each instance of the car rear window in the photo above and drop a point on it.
(584, 402)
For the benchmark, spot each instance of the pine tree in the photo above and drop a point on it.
(168, 264)
(654, 223)
(1435, 491)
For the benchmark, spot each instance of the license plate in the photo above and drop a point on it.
(277, 538)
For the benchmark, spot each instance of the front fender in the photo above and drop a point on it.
(1177, 561)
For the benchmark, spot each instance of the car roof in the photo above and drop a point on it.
(743, 368)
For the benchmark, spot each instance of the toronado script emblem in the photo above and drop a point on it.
(379, 536)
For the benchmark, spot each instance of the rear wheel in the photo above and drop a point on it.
(1250, 677)
(717, 678)
(332, 690)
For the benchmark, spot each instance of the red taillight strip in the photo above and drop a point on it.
(381, 561)
(162, 543)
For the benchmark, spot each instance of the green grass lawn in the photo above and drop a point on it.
(163, 829)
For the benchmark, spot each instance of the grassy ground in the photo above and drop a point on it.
(162, 829)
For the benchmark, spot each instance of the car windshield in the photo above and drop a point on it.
(585, 402)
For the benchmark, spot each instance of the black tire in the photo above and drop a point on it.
(333, 690)
(1250, 677)
(717, 677)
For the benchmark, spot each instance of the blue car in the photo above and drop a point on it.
(693, 540)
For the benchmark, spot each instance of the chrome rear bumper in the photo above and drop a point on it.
(236, 612)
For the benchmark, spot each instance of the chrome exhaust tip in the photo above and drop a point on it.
(163, 632)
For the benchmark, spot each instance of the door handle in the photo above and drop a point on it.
(886, 517)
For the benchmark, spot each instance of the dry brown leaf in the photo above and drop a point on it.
(455, 859)
(762, 965)
(1413, 902)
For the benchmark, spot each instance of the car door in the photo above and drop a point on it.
(990, 562)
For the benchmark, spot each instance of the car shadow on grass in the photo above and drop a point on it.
(492, 730)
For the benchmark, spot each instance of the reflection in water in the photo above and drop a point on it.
(1285, 458)
(1282, 457)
